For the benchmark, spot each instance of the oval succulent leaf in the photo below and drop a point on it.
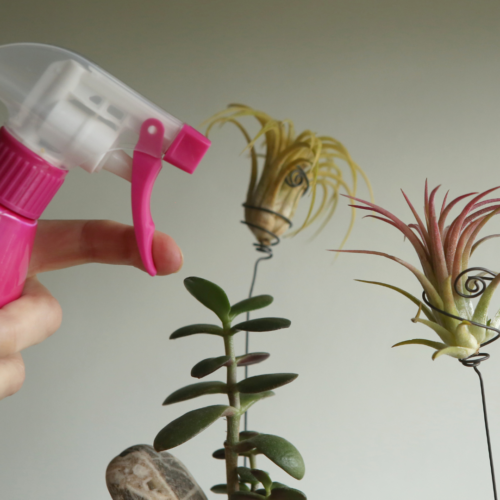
(189, 425)
(245, 495)
(209, 365)
(185, 331)
(246, 475)
(251, 304)
(261, 383)
(195, 390)
(262, 325)
(210, 295)
(219, 454)
(281, 452)
(252, 358)
(286, 494)
(219, 488)
(263, 478)
(247, 400)
(247, 435)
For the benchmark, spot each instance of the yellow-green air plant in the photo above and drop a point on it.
(444, 251)
(292, 165)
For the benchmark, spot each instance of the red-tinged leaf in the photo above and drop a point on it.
(251, 358)
(423, 229)
(426, 284)
(440, 266)
(444, 202)
(447, 210)
(483, 240)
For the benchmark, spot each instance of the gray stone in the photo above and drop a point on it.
(141, 473)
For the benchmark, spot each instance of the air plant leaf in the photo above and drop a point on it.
(281, 452)
(252, 358)
(209, 365)
(196, 390)
(248, 400)
(444, 251)
(210, 295)
(293, 165)
(251, 304)
(262, 325)
(262, 383)
(185, 331)
(190, 424)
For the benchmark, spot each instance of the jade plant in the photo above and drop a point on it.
(242, 483)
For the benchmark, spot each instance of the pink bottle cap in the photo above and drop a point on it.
(187, 150)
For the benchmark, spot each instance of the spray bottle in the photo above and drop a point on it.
(66, 112)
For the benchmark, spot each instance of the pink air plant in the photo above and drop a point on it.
(444, 252)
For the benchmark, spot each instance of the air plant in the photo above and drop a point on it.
(444, 251)
(293, 164)
(242, 483)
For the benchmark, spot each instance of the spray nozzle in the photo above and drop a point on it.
(72, 113)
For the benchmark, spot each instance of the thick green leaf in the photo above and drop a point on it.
(209, 365)
(246, 475)
(245, 495)
(184, 428)
(281, 452)
(210, 295)
(252, 358)
(262, 325)
(261, 491)
(251, 304)
(247, 435)
(286, 494)
(222, 488)
(195, 390)
(219, 488)
(185, 331)
(247, 400)
(263, 478)
(276, 484)
(261, 383)
(219, 454)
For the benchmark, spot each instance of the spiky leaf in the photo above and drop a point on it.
(210, 295)
(247, 400)
(261, 383)
(262, 325)
(185, 331)
(209, 365)
(286, 494)
(252, 358)
(280, 451)
(428, 343)
(251, 304)
(190, 424)
(196, 390)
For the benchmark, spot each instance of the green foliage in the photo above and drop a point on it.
(209, 365)
(251, 304)
(242, 395)
(189, 425)
(261, 383)
(247, 400)
(252, 358)
(185, 331)
(210, 295)
(279, 451)
(195, 390)
(262, 325)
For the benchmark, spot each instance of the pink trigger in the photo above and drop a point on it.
(146, 167)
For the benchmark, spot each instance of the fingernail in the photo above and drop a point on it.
(180, 259)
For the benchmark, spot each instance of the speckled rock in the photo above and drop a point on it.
(140, 473)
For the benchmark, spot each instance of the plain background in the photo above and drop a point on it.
(412, 89)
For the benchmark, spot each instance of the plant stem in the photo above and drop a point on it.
(233, 423)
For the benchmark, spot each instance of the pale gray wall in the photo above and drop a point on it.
(412, 88)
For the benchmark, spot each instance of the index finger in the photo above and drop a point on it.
(61, 244)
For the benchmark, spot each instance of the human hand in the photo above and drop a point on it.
(58, 244)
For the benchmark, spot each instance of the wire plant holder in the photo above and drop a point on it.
(475, 286)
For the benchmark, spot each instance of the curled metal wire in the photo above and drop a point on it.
(296, 178)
